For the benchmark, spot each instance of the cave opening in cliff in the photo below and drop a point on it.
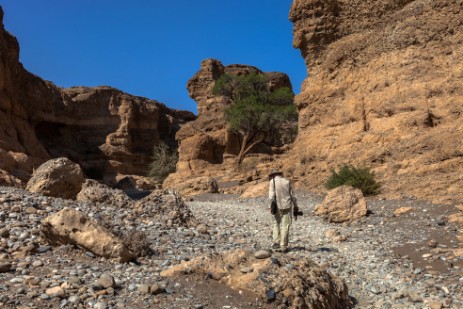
(49, 134)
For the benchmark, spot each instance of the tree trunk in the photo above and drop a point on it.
(245, 148)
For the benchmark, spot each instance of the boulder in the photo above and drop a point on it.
(73, 227)
(342, 204)
(292, 282)
(97, 193)
(57, 178)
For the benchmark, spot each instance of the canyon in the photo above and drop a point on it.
(383, 91)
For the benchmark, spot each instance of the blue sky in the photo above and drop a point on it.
(150, 48)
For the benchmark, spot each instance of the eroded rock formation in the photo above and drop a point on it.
(384, 89)
(108, 132)
(206, 147)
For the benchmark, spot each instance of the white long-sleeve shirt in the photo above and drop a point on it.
(283, 190)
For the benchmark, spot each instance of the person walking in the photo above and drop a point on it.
(280, 191)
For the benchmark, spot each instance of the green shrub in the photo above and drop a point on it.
(164, 162)
(361, 178)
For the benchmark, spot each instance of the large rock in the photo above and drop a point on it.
(282, 280)
(384, 89)
(58, 178)
(343, 204)
(97, 193)
(70, 226)
(108, 132)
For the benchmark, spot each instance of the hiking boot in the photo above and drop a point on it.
(282, 250)
(275, 246)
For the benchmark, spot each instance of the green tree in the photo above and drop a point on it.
(255, 112)
(164, 161)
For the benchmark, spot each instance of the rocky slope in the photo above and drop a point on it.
(108, 132)
(384, 90)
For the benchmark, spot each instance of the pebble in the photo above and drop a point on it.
(262, 254)
(106, 281)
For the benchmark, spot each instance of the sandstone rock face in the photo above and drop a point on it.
(108, 132)
(206, 148)
(70, 226)
(342, 204)
(58, 178)
(97, 193)
(384, 89)
(304, 285)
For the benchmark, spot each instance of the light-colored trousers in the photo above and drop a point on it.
(281, 223)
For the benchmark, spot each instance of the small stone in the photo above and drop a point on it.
(435, 304)
(37, 263)
(202, 228)
(90, 254)
(43, 249)
(132, 287)
(331, 233)
(375, 290)
(44, 296)
(414, 297)
(106, 281)
(31, 210)
(432, 243)
(271, 295)
(156, 289)
(74, 299)
(101, 305)
(144, 288)
(262, 254)
(24, 236)
(4, 233)
(5, 267)
(56, 291)
(246, 270)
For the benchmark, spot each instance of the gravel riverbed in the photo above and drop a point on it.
(386, 261)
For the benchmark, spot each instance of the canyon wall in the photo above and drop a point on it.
(384, 90)
(109, 133)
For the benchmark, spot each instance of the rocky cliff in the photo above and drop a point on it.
(206, 147)
(108, 132)
(384, 90)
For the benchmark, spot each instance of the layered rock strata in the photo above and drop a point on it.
(384, 90)
(108, 132)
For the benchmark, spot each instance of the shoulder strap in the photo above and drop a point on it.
(274, 190)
